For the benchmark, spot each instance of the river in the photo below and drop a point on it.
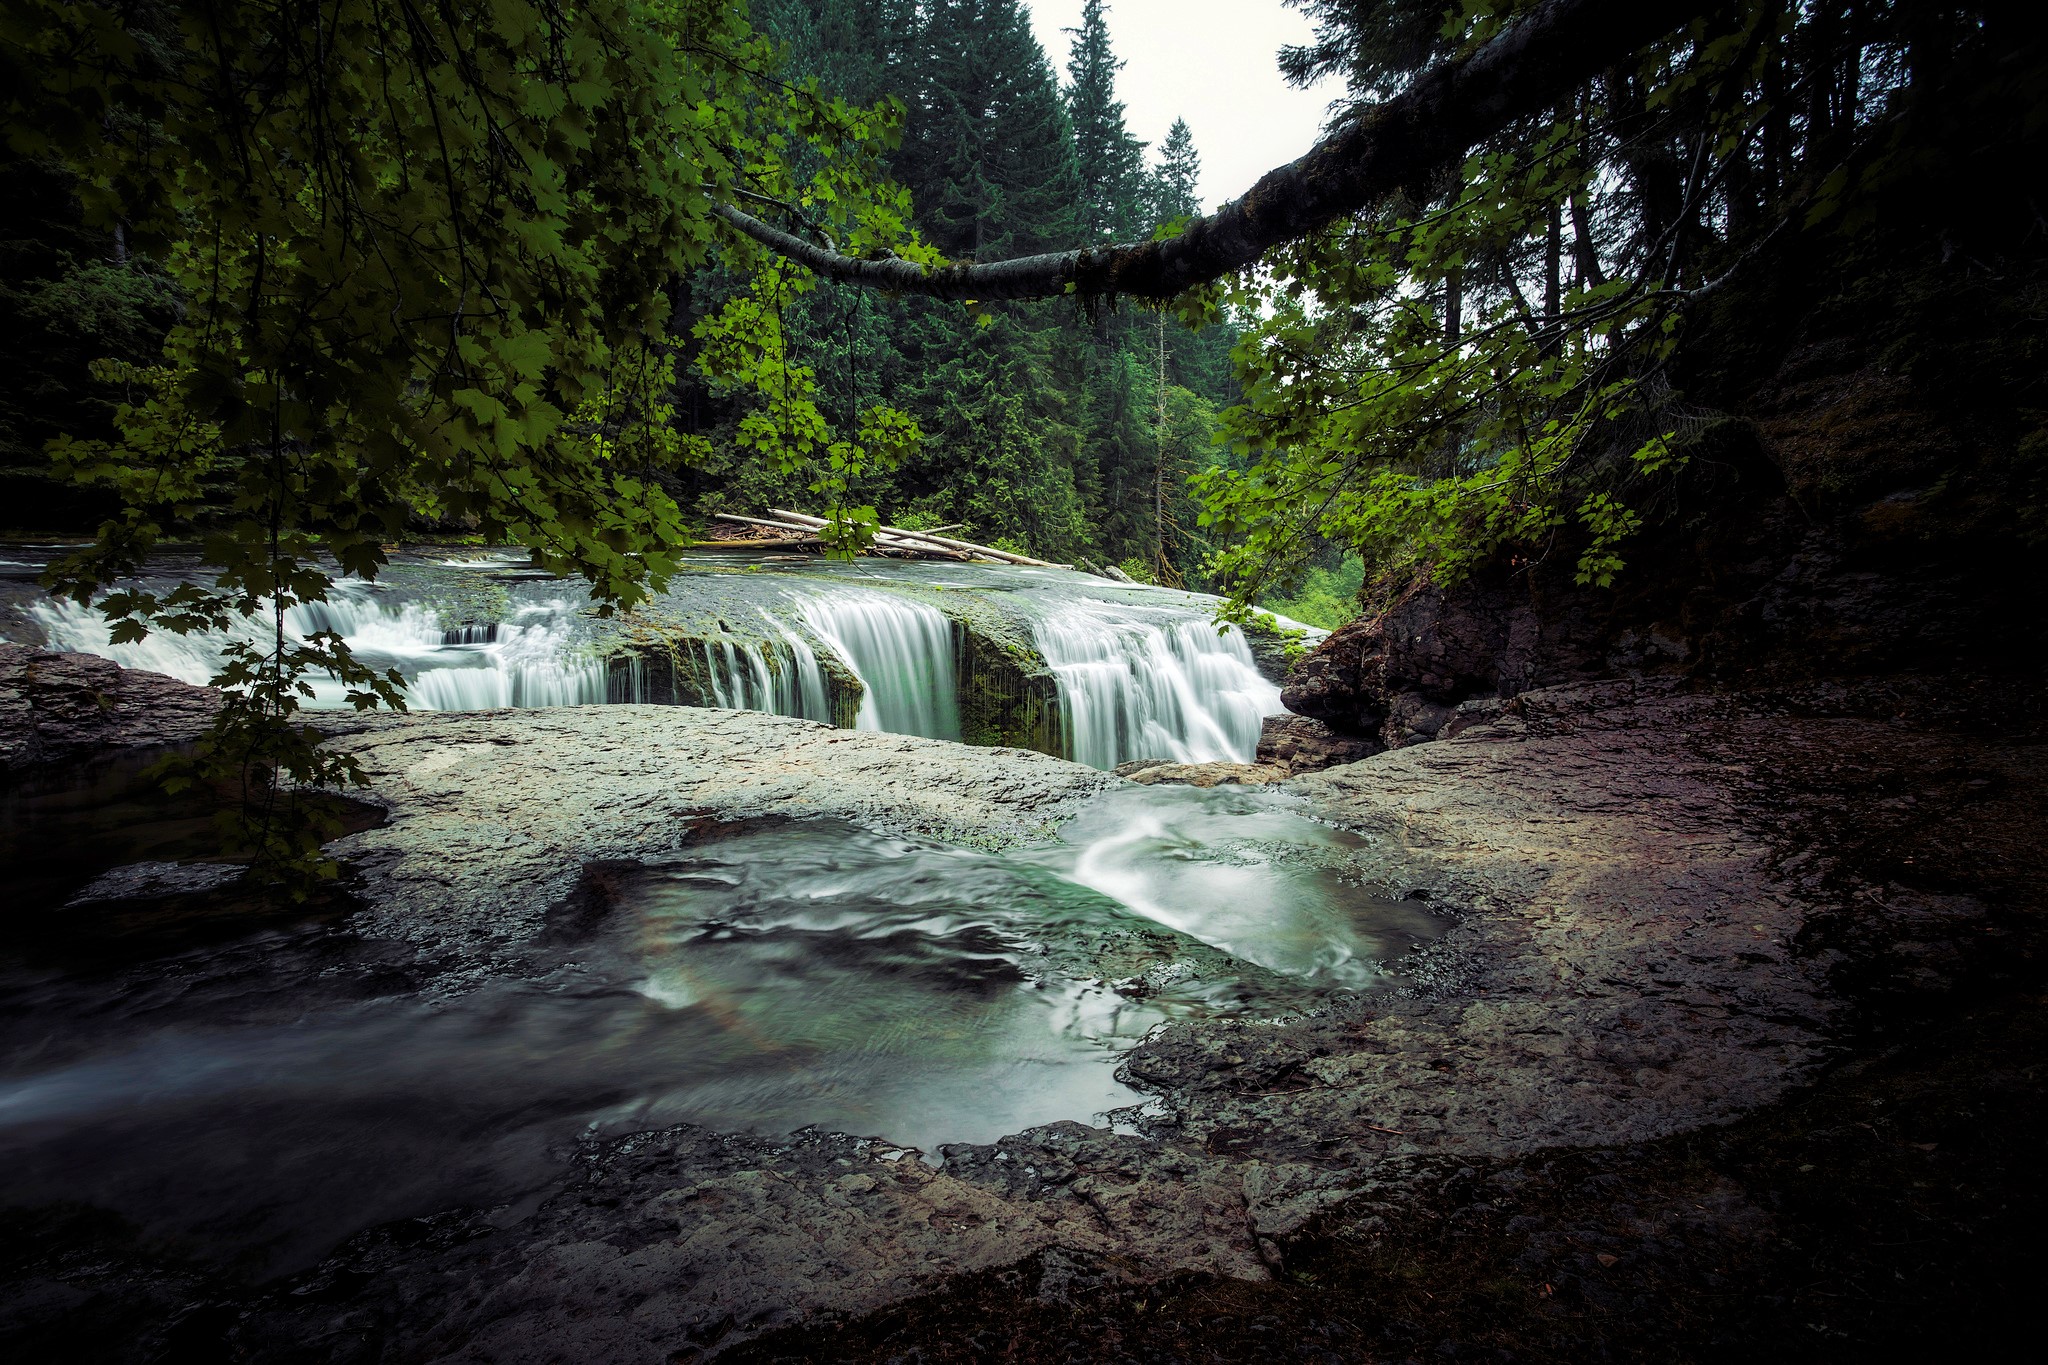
(1065, 662)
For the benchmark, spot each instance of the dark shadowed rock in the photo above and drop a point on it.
(58, 706)
(1302, 745)
(1635, 878)
(156, 881)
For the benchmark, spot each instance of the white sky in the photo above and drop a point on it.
(1213, 63)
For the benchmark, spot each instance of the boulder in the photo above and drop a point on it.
(56, 706)
(155, 881)
(1303, 745)
(1207, 774)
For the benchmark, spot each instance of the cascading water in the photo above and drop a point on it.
(1138, 682)
(528, 660)
(813, 701)
(780, 676)
(1140, 673)
(903, 654)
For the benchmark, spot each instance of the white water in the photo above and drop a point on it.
(744, 677)
(901, 651)
(528, 660)
(1138, 682)
(813, 702)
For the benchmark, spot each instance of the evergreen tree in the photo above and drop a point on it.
(1040, 424)
(1111, 161)
(1176, 180)
(988, 156)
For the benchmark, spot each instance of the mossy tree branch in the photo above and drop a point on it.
(1443, 113)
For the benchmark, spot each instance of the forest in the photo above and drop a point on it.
(728, 679)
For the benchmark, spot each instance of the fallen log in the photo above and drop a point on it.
(808, 526)
(962, 545)
(760, 521)
(971, 548)
(801, 543)
(891, 538)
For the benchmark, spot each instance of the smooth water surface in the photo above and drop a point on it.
(262, 1098)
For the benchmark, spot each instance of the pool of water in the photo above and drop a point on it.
(259, 1098)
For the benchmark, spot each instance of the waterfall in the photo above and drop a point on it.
(903, 654)
(529, 660)
(808, 694)
(738, 676)
(1150, 680)
(1142, 683)
(82, 630)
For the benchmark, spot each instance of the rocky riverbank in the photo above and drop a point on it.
(60, 707)
(1669, 912)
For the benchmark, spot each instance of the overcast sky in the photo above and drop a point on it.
(1212, 63)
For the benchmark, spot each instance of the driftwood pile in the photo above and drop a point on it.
(795, 530)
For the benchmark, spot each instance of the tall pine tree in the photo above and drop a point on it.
(1040, 422)
(1112, 203)
(988, 155)
(1176, 182)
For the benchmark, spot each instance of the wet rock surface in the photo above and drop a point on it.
(1670, 911)
(495, 814)
(154, 881)
(55, 707)
(1204, 774)
(1302, 744)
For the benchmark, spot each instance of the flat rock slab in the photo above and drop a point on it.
(155, 881)
(1622, 967)
(1631, 956)
(56, 706)
(495, 814)
(1149, 774)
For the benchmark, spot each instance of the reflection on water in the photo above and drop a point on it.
(264, 1099)
(1240, 869)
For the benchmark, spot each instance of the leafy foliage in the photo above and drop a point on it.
(424, 258)
(1327, 597)
(1041, 421)
(1492, 371)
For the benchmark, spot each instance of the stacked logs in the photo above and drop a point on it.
(795, 530)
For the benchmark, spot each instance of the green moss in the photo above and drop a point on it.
(1276, 649)
(1005, 699)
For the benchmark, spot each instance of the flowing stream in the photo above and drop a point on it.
(1140, 683)
(255, 1083)
(259, 1094)
(1136, 673)
(902, 652)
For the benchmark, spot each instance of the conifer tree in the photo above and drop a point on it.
(1110, 160)
(1176, 180)
(1041, 424)
(988, 156)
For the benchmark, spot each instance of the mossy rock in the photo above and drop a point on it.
(1275, 648)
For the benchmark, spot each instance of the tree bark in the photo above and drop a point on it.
(1444, 112)
(1553, 251)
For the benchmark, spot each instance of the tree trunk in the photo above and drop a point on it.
(1585, 254)
(1553, 250)
(1446, 110)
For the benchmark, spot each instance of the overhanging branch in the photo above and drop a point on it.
(1442, 114)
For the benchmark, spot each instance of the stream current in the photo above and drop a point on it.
(257, 1096)
(1134, 672)
(253, 1086)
